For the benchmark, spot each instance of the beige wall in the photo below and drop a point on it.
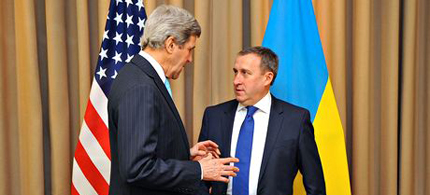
(377, 53)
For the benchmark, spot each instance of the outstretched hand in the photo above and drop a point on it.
(218, 169)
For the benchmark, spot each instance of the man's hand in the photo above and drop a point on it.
(202, 149)
(216, 169)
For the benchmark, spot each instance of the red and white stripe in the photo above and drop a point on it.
(91, 165)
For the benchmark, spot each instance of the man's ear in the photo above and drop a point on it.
(169, 44)
(269, 77)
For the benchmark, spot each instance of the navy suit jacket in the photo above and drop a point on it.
(290, 146)
(149, 145)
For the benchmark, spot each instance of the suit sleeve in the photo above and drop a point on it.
(138, 115)
(309, 160)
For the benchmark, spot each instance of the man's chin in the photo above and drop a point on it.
(240, 99)
(174, 77)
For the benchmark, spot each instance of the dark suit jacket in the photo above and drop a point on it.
(290, 146)
(149, 146)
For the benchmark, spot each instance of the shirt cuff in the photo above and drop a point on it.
(201, 171)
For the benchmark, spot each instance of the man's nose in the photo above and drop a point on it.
(237, 80)
(190, 58)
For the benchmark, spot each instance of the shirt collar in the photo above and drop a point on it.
(263, 105)
(154, 64)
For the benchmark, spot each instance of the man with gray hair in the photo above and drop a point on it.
(149, 145)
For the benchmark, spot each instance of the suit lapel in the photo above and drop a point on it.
(275, 121)
(227, 124)
(143, 64)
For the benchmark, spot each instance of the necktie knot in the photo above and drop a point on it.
(250, 111)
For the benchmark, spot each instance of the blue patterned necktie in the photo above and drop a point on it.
(243, 153)
(167, 84)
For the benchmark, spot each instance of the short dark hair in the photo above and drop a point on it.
(269, 59)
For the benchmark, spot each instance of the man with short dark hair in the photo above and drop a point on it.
(272, 138)
(149, 145)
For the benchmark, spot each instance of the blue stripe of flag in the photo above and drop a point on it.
(292, 33)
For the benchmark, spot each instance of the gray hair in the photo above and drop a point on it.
(169, 21)
(269, 59)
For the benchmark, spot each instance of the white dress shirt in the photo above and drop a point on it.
(261, 122)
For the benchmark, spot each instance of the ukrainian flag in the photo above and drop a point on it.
(303, 80)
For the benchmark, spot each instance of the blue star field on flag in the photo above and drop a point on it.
(121, 39)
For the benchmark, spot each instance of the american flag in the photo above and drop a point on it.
(121, 41)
